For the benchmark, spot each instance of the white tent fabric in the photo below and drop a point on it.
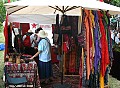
(37, 14)
(24, 9)
(36, 18)
(90, 4)
(44, 10)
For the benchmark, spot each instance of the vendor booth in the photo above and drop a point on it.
(81, 32)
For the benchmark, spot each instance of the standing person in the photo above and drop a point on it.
(36, 41)
(28, 42)
(37, 38)
(44, 52)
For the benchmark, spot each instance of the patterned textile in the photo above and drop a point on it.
(82, 36)
(72, 61)
(23, 69)
(73, 50)
(81, 39)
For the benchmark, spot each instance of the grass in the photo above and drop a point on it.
(1, 37)
(1, 69)
(113, 83)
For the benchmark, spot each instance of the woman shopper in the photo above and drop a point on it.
(44, 52)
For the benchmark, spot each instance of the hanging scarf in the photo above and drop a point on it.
(97, 42)
(104, 46)
(108, 34)
(86, 22)
(92, 50)
(101, 81)
(82, 43)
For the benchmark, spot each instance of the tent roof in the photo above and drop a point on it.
(36, 14)
(28, 18)
(89, 4)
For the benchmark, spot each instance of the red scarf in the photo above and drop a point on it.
(104, 46)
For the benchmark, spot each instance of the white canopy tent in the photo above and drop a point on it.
(43, 11)
(36, 14)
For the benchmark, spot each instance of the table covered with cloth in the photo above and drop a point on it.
(29, 70)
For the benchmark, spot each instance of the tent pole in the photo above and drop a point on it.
(62, 85)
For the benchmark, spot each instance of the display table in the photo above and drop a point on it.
(29, 70)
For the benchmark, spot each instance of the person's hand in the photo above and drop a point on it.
(35, 48)
(31, 58)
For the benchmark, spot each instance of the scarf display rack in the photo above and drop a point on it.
(89, 53)
(95, 40)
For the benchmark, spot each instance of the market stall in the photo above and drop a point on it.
(86, 53)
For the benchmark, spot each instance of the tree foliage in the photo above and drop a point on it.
(2, 11)
(2, 14)
(113, 2)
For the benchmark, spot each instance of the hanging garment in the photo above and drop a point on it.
(81, 39)
(82, 44)
(73, 21)
(92, 24)
(101, 81)
(55, 29)
(72, 61)
(82, 35)
(66, 43)
(66, 61)
(108, 34)
(110, 44)
(73, 55)
(97, 42)
(96, 79)
(91, 81)
(17, 43)
(81, 68)
(87, 26)
(92, 31)
(77, 61)
(65, 47)
(104, 46)
(106, 76)
(9, 38)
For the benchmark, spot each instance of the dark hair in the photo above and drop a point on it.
(38, 29)
(29, 33)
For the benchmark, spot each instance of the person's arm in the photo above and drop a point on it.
(35, 55)
(24, 37)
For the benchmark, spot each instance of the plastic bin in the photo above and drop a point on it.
(2, 46)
